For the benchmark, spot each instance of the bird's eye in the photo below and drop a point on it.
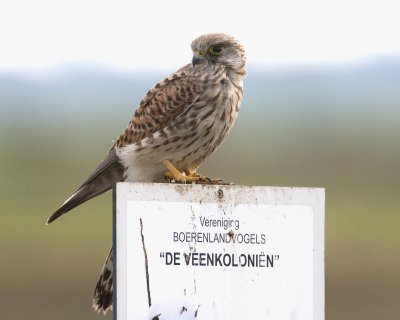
(216, 50)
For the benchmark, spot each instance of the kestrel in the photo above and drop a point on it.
(179, 123)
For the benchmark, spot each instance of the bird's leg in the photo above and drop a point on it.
(174, 174)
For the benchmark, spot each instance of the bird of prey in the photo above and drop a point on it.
(179, 123)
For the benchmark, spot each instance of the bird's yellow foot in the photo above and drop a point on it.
(203, 179)
(174, 175)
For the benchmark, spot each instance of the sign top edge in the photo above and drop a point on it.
(228, 194)
(213, 186)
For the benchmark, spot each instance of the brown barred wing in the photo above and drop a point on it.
(161, 105)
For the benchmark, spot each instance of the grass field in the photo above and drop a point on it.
(334, 129)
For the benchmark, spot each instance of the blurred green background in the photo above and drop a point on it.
(335, 127)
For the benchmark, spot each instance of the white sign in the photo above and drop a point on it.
(218, 252)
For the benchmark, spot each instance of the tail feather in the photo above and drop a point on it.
(101, 180)
(103, 293)
(109, 171)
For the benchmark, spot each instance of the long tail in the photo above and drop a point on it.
(101, 180)
(103, 292)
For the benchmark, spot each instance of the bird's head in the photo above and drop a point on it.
(219, 48)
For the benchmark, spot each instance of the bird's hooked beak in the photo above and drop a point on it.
(197, 57)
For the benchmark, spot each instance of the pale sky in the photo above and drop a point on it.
(157, 34)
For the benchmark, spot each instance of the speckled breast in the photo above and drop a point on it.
(206, 125)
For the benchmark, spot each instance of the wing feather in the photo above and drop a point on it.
(108, 172)
(162, 103)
